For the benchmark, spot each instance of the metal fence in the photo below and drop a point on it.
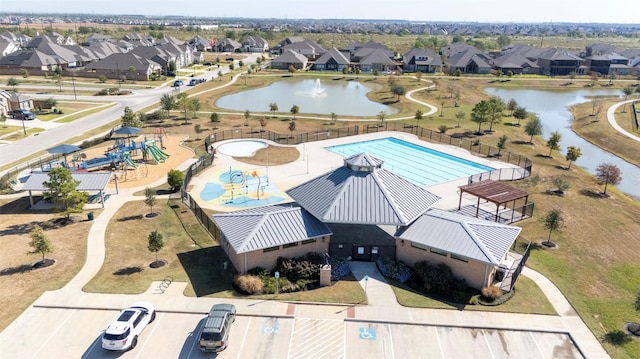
(635, 114)
(284, 139)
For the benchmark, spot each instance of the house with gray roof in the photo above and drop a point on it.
(473, 248)
(515, 63)
(256, 237)
(227, 45)
(332, 60)
(604, 64)
(130, 65)
(200, 43)
(255, 44)
(33, 61)
(378, 59)
(423, 60)
(309, 48)
(468, 60)
(289, 58)
(559, 62)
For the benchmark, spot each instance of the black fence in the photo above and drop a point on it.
(635, 114)
(284, 139)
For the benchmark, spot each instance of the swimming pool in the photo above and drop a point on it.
(241, 148)
(420, 165)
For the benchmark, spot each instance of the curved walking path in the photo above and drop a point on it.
(611, 117)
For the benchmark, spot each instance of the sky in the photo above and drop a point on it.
(537, 11)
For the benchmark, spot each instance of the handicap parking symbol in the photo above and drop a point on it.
(271, 327)
(367, 333)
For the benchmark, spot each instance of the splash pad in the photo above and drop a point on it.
(241, 188)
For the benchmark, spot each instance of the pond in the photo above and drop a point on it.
(553, 109)
(344, 98)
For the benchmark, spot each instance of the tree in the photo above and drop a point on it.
(533, 127)
(381, 115)
(572, 76)
(13, 83)
(419, 115)
(398, 90)
(554, 142)
(247, 116)
(292, 127)
(129, 119)
(273, 107)
(51, 102)
(132, 72)
(573, 153)
(195, 106)
(231, 66)
(291, 69)
(334, 117)
(3, 119)
(496, 106)
(460, 115)
(57, 78)
(240, 64)
(102, 78)
(418, 75)
(443, 128)
(520, 113)
(512, 105)
(561, 184)
(502, 144)
(345, 70)
(40, 242)
(150, 198)
(220, 75)
(215, 118)
(294, 110)
(62, 189)
(175, 178)
(503, 40)
(168, 103)
(376, 73)
(627, 90)
(609, 174)
(24, 73)
(391, 81)
(155, 243)
(481, 113)
(553, 221)
(185, 103)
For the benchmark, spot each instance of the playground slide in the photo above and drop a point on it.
(153, 154)
(160, 152)
(129, 162)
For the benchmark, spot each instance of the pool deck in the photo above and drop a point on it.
(315, 160)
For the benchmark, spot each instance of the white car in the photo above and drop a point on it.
(123, 331)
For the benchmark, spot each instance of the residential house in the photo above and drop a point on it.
(559, 62)
(423, 60)
(201, 43)
(139, 40)
(96, 37)
(19, 39)
(515, 63)
(4, 103)
(10, 100)
(289, 58)
(608, 63)
(256, 237)
(128, 65)
(469, 62)
(308, 48)
(227, 45)
(332, 60)
(358, 51)
(8, 47)
(255, 44)
(33, 61)
(378, 59)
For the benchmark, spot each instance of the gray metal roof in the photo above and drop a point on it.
(361, 192)
(470, 237)
(264, 227)
(94, 181)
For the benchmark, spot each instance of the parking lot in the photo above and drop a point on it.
(77, 333)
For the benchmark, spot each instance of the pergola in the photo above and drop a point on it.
(92, 181)
(495, 192)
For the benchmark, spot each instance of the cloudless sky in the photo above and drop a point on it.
(536, 11)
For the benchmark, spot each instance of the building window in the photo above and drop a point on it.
(309, 241)
(289, 245)
(419, 246)
(438, 252)
(459, 258)
(270, 249)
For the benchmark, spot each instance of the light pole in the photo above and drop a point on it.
(24, 129)
(73, 82)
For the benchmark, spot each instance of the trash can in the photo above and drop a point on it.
(90, 216)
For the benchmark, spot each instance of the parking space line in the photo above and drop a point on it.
(536, 344)
(293, 330)
(244, 336)
(150, 335)
(59, 327)
(439, 343)
(486, 340)
(393, 353)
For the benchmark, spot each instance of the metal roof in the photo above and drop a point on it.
(264, 227)
(94, 181)
(470, 237)
(361, 192)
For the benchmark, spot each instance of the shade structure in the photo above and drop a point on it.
(127, 131)
(64, 149)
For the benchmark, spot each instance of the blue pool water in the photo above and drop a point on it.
(420, 165)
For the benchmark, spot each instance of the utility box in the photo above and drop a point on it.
(325, 275)
(90, 216)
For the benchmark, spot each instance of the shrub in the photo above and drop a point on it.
(102, 78)
(297, 268)
(248, 284)
(175, 178)
(339, 268)
(394, 269)
(258, 271)
(436, 279)
(491, 292)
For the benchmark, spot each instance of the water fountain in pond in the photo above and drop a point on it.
(318, 90)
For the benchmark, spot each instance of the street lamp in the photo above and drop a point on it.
(73, 82)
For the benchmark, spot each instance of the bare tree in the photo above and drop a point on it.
(609, 174)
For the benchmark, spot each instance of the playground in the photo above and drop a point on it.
(235, 187)
(134, 165)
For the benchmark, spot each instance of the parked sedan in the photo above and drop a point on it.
(23, 115)
(177, 83)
